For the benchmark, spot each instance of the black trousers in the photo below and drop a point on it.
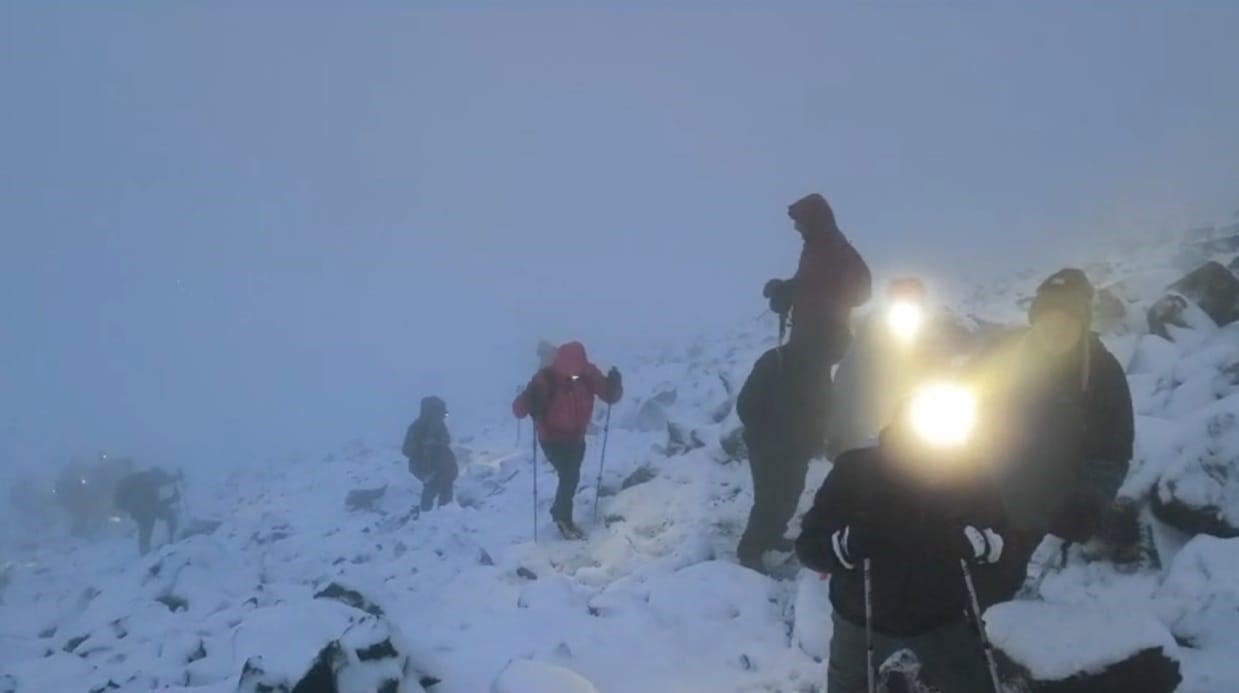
(566, 457)
(1002, 584)
(439, 484)
(165, 512)
(778, 481)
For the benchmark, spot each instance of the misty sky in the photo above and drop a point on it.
(229, 232)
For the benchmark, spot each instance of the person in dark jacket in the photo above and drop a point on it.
(1062, 429)
(784, 406)
(914, 512)
(428, 445)
(830, 281)
(149, 496)
(560, 399)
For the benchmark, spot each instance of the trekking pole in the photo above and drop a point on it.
(976, 612)
(535, 483)
(870, 672)
(606, 434)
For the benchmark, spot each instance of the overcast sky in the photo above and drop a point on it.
(227, 232)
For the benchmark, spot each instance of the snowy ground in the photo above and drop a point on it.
(653, 601)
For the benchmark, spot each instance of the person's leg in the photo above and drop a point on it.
(169, 516)
(447, 484)
(757, 535)
(952, 659)
(429, 491)
(784, 499)
(146, 525)
(847, 671)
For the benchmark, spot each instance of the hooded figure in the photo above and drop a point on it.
(560, 398)
(830, 281)
(1061, 429)
(428, 445)
(146, 496)
(914, 512)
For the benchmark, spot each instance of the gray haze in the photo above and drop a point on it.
(229, 232)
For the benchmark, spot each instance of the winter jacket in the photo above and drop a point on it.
(785, 403)
(909, 525)
(427, 443)
(830, 281)
(561, 398)
(1059, 430)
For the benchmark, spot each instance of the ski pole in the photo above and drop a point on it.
(602, 462)
(535, 483)
(976, 612)
(870, 672)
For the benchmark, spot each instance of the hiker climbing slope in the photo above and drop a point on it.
(560, 398)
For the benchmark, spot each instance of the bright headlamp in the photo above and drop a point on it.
(943, 415)
(904, 319)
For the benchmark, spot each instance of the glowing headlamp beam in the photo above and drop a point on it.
(944, 415)
(904, 319)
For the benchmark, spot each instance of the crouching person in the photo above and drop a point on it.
(428, 446)
(901, 515)
(149, 496)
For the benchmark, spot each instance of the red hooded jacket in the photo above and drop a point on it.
(568, 388)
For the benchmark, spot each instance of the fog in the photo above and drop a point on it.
(228, 233)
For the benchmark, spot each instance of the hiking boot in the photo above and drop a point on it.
(569, 530)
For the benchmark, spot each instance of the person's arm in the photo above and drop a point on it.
(527, 402)
(821, 545)
(861, 284)
(608, 388)
(1111, 429)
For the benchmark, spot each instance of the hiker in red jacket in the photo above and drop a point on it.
(831, 280)
(560, 398)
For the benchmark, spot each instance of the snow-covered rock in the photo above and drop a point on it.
(811, 629)
(1061, 647)
(527, 676)
(1199, 490)
(1199, 597)
(1214, 288)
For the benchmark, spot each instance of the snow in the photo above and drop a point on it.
(1057, 641)
(653, 600)
(525, 676)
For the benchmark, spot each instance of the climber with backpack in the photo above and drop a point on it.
(148, 496)
(560, 398)
(428, 445)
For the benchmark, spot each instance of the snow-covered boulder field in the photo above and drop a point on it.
(320, 574)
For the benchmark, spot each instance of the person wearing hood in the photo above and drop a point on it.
(560, 398)
(428, 445)
(897, 347)
(830, 281)
(1062, 429)
(149, 496)
(901, 515)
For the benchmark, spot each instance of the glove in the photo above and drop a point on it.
(1079, 518)
(979, 545)
(852, 544)
(779, 292)
(614, 379)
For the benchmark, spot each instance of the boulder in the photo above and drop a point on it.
(643, 474)
(681, 441)
(652, 413)
(528, 676)
(1214, 288)
(1198, 492)
(324, 646)
(365, 498)
(1199, 595)
(1109, 311)
(1069, 648)
(1177, 319)
(733, 447)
